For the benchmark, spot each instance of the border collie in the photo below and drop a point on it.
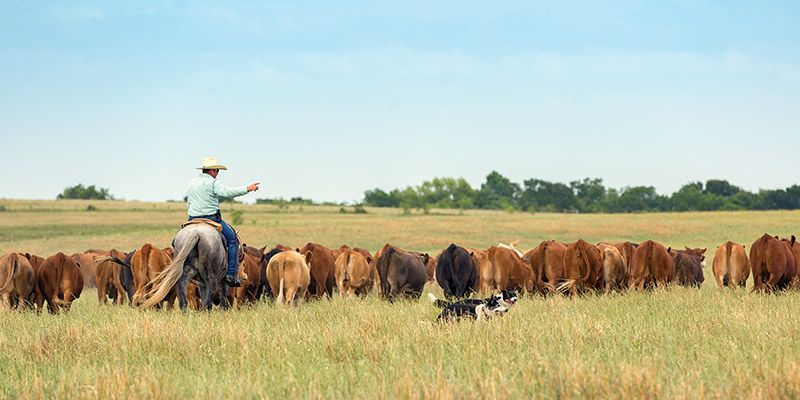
(506, 296)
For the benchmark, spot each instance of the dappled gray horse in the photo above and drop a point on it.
(199, 255)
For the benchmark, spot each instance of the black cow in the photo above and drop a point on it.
(688, 270)
(456, 271)
(401, 273)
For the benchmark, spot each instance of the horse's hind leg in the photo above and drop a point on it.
(207, 296)
(183, 287)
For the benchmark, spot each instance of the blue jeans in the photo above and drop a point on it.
(230, 236)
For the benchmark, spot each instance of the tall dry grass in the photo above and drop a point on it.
(671, 343)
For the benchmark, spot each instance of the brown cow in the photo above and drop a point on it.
(374, 265)
(146, 264)
(289, 276)
(322, 269)
(615, 268)
(582, 265)
(508, 270)
(794, 246)
(251, 265)
(36, 263)
(731, 266)
(106, 276)
(60, 282)
(698, 252)
(401, 273)
(353, 273)
(17, 281)
(772, 263)
(651, 265)
(547, 265)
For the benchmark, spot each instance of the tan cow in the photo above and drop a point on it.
(288, 275)
(17, 282)
(146, 264)
(88, 265)
(106, 276)
(626, 250)
(731, 266)
(615, 268)
(60, 282)
(353, 273)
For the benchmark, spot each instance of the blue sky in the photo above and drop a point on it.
(325, 100)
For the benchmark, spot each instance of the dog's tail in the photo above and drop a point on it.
(437, 302)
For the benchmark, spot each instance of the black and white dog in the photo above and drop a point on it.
(476, 309)
(507, 296)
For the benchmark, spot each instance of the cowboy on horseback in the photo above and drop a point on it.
(203, 196)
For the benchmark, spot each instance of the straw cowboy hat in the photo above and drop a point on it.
(211, 163)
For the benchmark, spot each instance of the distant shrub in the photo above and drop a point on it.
(91, 208)
(359, 210)
(236, 217)
(342, 210)
(85, 193)
(2, 207)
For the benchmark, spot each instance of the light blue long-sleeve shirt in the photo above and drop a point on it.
(204, 192)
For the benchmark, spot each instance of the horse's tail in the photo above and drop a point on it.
(159, 287)
(11, 272)
(281, 266)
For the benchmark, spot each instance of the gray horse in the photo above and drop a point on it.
(199, 255)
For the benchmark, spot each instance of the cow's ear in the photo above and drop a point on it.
(686, 247)
(704, 250)
(369, 260)
(669, 249)
(472, 254)
(297, 249)
(309, 256)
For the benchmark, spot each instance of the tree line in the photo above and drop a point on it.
(582, 196)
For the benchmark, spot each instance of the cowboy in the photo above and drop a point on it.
(202, 197)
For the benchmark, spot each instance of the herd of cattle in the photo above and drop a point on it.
(289, 275)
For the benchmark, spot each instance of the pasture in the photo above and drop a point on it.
(672, 342)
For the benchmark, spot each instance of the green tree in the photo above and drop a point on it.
(85, 193)
(498, 192)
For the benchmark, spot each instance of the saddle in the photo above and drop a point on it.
(203, 221)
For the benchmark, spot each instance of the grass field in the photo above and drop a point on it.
(670, 343)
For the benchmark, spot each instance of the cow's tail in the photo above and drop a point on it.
(101, 259)
(281, 270)
(11, 272)
(542, 274)
(159, 287)
(726, 265)
(451, 269)
(59, 275)
(346, 267)
(385, 258)
(588, 265)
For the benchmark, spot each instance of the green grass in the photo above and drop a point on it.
(670, 343)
